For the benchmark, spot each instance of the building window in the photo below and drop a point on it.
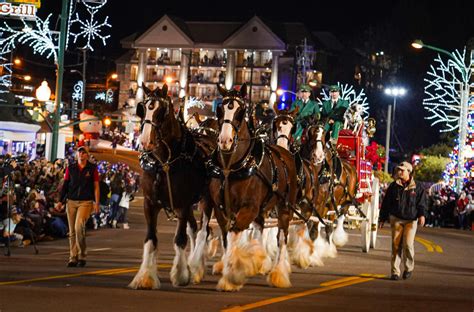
(133, 72)
(176, 56)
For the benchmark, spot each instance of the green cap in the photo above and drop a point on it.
(334, 88)
(305, 87)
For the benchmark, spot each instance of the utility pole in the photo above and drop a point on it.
(387, 138)
(304, 59)
(59, 79)
(84, 68)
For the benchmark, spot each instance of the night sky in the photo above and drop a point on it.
(449, 26)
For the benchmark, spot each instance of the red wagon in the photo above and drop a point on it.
(351, 147)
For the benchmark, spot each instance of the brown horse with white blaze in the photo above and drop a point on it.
(307, 245)
(172, 162)
(342, 184)
(249, 179)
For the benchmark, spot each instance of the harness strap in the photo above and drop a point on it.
(283, 136)
(281, 196)
(166, 169)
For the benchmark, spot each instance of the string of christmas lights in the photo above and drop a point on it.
(450, 174)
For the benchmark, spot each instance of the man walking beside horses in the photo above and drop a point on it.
(404, 205)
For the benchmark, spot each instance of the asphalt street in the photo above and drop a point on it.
(354, 281)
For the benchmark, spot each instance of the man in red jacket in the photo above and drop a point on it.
(81, 189)
(404, 204)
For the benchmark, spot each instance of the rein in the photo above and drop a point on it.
(148, 159)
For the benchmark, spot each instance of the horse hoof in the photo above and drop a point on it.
(145, 283)
(225, 285)
(180, 278)
(278, 279)
(217, 268)
(198, 274)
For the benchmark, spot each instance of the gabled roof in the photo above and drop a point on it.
(166, 32)
(254, 34)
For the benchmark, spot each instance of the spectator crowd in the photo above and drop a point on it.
(447, 208)
(30, 207)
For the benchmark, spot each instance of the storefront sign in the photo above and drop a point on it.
(22, 10)
(36, 3)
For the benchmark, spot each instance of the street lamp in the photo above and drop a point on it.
(280, 92)
(107, 121)
(463, 111)
(111, 76)
(43, 93)
(393, 92)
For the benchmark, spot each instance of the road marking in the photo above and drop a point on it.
(100, 272)
(339, 283)
(341, 280)
(430, 246)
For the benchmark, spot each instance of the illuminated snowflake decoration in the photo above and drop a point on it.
(195, 102)
(107, 97)
(100, 96)
(40, 38)
(349, 94)
(78, 90)
(443, 96)
(90, 29)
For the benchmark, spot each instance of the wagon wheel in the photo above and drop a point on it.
(365, 227)
(374, 205)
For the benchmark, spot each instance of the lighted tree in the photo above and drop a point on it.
(447, 86)
(349, 94)
(40, 38)
(447, 101)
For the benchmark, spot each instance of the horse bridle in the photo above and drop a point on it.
(319, 126)
(150, 100)
(236, 128)
(284, 118)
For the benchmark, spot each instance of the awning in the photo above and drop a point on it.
(17, 136)
(19, 126)
(18, 131)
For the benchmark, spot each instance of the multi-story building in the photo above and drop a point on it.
(195, 56)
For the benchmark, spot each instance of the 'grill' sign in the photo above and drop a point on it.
(22, 10)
